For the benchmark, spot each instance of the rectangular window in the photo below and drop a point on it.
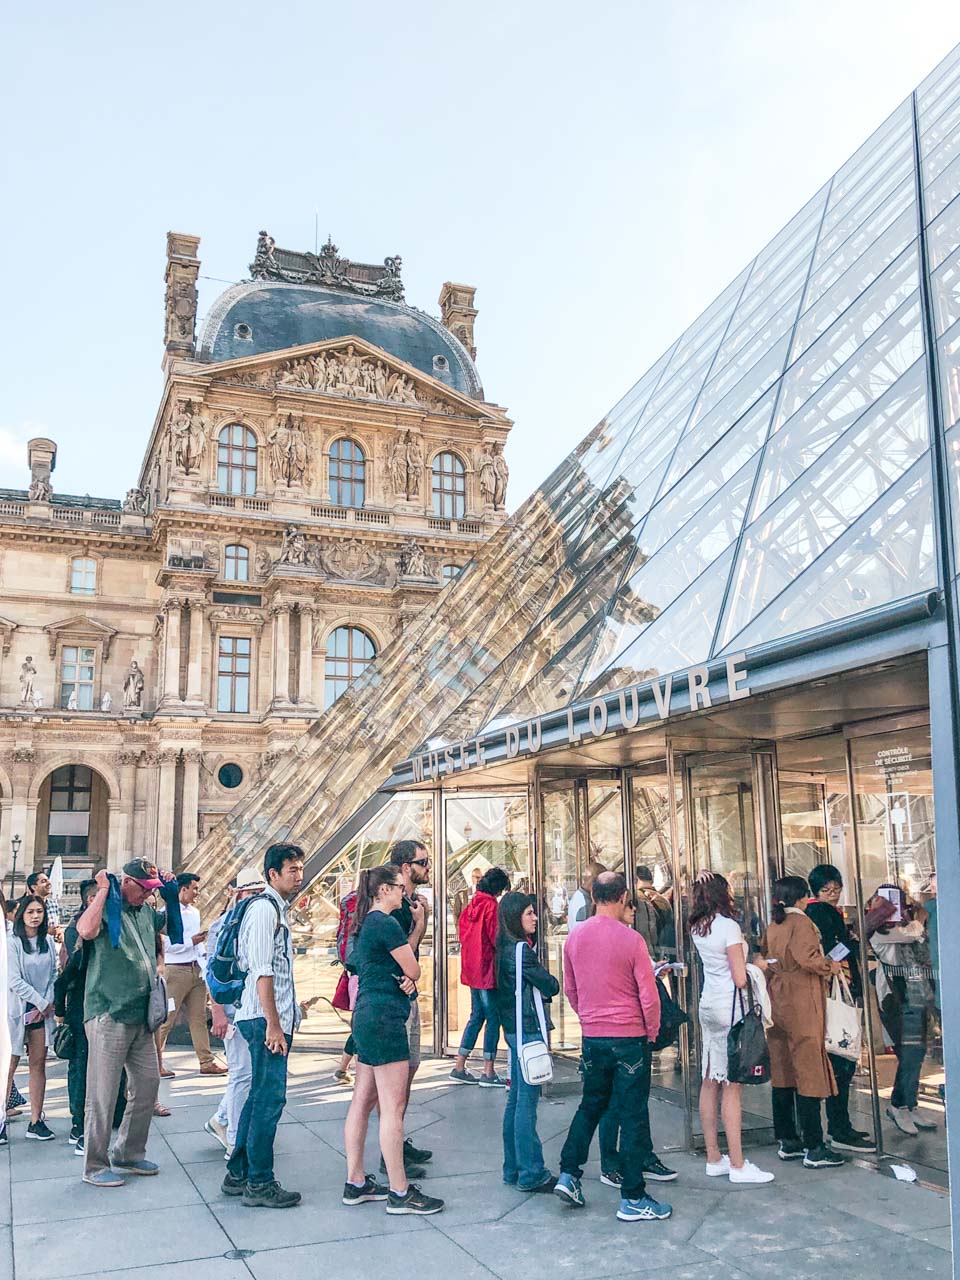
(78, 668)
(83, 576)
(233, 674)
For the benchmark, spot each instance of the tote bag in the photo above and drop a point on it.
(748, 1058)
(844, 1036)
(536, 1065)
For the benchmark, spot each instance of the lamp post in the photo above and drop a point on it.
(15, 846)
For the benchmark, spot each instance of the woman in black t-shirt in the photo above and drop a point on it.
(386, 970)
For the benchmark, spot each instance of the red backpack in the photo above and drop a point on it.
(346, 938)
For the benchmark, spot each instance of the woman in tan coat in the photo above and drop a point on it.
(800, 1070)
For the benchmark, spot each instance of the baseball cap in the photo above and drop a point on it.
(250, 878)
(144, 872)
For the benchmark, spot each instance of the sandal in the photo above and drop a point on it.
(160, 1110)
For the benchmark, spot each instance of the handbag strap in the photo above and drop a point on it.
(537, 1002)
(143, 950)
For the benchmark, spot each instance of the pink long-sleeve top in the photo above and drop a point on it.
(608, 979)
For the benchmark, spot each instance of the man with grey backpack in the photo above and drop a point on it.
(609, 981)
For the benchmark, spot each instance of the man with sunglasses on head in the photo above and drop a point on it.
(410, 857)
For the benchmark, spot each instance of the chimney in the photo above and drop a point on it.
(42, 458)
(180, 304)
(458, 313)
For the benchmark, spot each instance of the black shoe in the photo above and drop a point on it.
(75, 1133)
(543, 1189)
(654, 1170)
(854, 1141)
(411, 1169)
(231, 1186)
(822, 1158)
(371, 1190)
(415, 1155)
(414, 1201)
(40, 1131)
(270, 1195)
(4, 1140)
(790, 1149)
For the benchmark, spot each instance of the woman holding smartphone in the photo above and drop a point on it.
(387, 971)
(31, 972)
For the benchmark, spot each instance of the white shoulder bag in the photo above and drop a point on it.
(536, 1065)
(844, 1036)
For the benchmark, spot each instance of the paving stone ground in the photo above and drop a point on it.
(851, 1222)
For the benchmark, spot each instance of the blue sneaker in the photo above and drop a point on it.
(646, 1209)
(145, 1168)
(568, 1188)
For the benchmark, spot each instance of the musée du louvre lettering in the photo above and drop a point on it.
(722, 635)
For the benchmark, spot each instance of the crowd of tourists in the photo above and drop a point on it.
(105, 990)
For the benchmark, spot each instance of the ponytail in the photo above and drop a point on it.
(368, 888)
(787, 892)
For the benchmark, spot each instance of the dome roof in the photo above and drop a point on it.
(260, 316)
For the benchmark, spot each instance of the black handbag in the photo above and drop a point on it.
(672, 1019)
(748, 1058)
(64, 1041)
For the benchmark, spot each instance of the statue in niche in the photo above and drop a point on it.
(188, 433)
(288, 451)
(106, 701)
(411, 562)
(28, 674)
(40, 490)
(405, 463)
(294, 548)
(133, 688)
(488, 475)
(414, 465)
(502, 473)
(135, 503)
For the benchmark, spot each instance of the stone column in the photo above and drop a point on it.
(305, 682)
(121, 844)
(166, 800)
(190, 804)
(171, 653)
(22, 815)
(281, 654)
(195, 687)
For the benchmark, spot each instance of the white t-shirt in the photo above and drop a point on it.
(717, 978)
(185, 952)
(578, 909)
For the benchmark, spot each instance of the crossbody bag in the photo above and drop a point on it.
(157, 1008)
(536, 1065)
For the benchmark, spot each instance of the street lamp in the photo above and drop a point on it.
(15, 846)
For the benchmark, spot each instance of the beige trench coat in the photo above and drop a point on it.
(798, 995)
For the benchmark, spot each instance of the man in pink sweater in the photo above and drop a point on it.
(609, 981)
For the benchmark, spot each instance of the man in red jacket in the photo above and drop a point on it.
(478, 942)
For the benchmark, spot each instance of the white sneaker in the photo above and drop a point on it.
(903, 1120)
(749, 1173)
(921, 1119)
(718, 1168)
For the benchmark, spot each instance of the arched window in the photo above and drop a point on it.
(451, 572)
(349, 650)
(237, 460)
(83, 576)
(449, 486)
(236, 564)
(347, 464)
(71, 792)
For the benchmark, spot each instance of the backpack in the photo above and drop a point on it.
(225, 977)
(346, 938)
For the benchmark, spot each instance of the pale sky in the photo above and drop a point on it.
(598, 171)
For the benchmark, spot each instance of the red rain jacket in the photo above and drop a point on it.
(478, 942)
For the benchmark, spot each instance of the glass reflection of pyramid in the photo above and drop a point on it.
(771, 473)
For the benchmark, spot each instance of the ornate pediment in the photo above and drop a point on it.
(80, 630)
(350, 369)
(326, 267)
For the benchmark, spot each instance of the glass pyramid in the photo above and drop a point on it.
(771, 473)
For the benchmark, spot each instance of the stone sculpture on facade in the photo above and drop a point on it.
(405, 466)
(350, 558)
(106, 701)
(412, 561)
(328, 268)
(348, 374)
(133, 688)
(73, 702)
(487, 477)
(135, 503)
(189, 437)
(40, 491)
(28, 674)
(288, 451)
(294, 549)
(502, 472)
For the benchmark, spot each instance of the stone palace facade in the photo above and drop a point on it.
(322, 463)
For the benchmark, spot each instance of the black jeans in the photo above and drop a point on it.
(838, 1108)
(609, 1131)
(77, 1073)
(616, 1074)
(788, 1107)
(252, 1157)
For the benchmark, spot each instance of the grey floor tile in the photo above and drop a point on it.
(320, 1218)
(875, 1256)
(774, 1221)
(74, 1198)
(197, 1145)
(435, 1257)
(209, 1269)
(939, 1236)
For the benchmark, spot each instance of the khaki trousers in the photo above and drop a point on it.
(111, 1047)
(185, 986)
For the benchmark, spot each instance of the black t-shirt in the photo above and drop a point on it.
(404, 917)
(376, 968)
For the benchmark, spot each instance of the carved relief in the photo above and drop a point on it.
(188, 436)
(123, 758)
(288, 451)
(327, 267)
(180, 310)
(294, 549)
(349, 558)
(24, 755)
(412, 561)
(40, 490)
(135, 503)
(237, 613)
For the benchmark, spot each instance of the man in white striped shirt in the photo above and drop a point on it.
(267, 1016)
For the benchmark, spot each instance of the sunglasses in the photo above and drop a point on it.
(420, 862)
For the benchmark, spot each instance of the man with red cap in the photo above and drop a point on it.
(124, 932)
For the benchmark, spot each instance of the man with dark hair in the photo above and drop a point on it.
(653, 910)
(413, 862)
(609, 982)
(39, 882)
(267, 1017)
(826, 886)
(184, 965)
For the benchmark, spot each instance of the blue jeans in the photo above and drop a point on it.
(522, 1152)
(252, 1157)
(483, 1010)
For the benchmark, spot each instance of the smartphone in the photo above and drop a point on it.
(892, 896)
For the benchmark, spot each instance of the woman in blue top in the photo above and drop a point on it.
(387, 971)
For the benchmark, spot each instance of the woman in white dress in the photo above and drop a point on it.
(719, 942)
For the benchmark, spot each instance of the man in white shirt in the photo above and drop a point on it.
(183, 970)
(580, 906)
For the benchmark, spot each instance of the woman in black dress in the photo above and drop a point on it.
(387, 971)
